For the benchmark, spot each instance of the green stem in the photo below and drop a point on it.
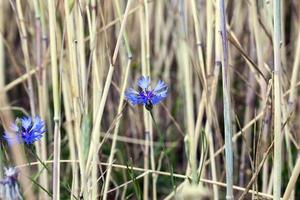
(161, 138)
(33, 153)
(163, 146)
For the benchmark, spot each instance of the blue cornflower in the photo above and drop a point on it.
(26, 131)
(9, 188)
(145, 95)
(11, 175)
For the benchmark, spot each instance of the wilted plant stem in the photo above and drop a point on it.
(227, 105)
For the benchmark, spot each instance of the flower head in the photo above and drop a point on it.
(26, 130)
(9, 186)
(11, 175)
(145, 95)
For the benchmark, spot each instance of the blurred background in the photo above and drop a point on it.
(70, 62)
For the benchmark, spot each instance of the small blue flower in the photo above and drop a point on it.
(9, 188)
(11, 175)
(26, 131)
(145, 95)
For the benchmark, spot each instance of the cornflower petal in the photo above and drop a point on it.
(26, 122)
(11, 138)
(14, 128)
(161, 86)
(132, 96)
(38, 125)
(157, 98)
(143, 82)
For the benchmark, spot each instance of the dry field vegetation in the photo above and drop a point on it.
(229, 128)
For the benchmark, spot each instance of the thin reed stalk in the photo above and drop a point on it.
(183, 59)
(277, 100)
(146, 54)
(146, 167)
(226, 104)
(96, 134)
(2, 76)
(24, 44)
(42, 102)
(115, 134)
(293, 179)
(56, 100)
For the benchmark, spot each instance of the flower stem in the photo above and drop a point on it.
(161, 138)
(163, 147)
(33, 153)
